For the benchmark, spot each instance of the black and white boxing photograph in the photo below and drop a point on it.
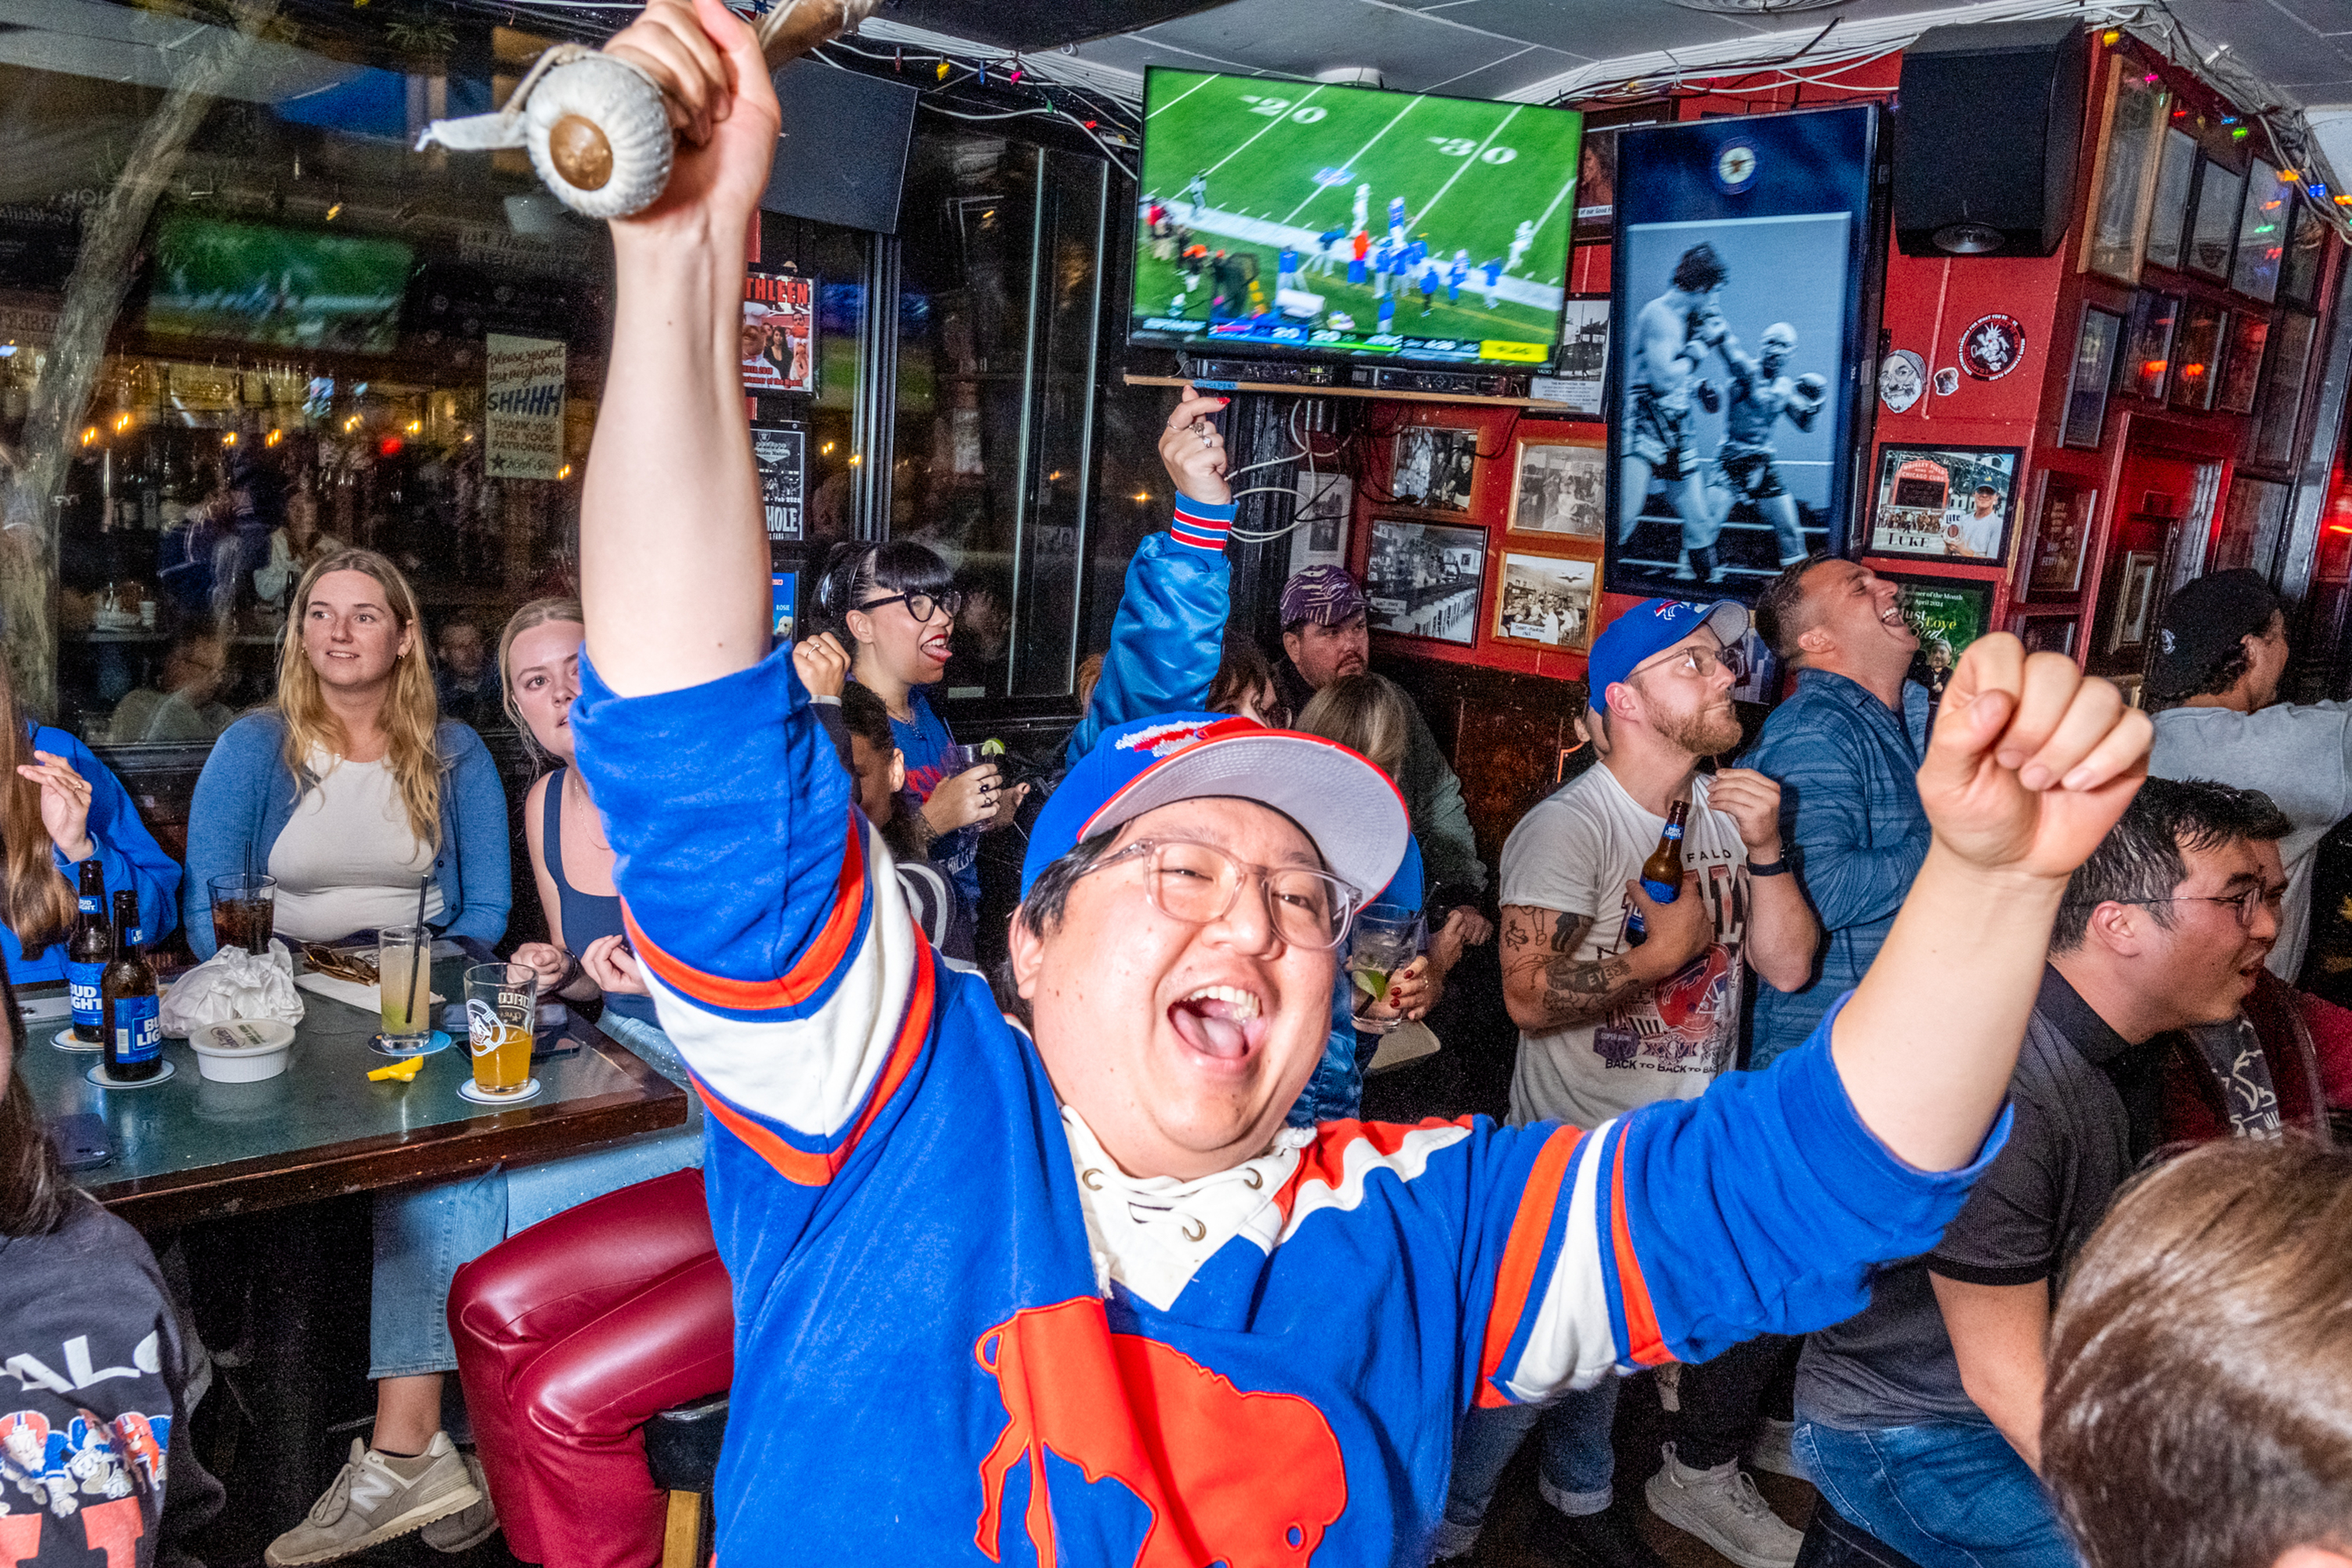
(1433, 467)
(1733, 349)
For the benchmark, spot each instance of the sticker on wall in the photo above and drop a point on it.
(1993, 346)
(1735, 167)
(1947, 382)
(1902, 380)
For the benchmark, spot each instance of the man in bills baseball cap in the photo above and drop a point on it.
(1648, 630)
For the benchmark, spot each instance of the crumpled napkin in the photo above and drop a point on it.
(233, 984)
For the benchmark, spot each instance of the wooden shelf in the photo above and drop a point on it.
(1544, 403)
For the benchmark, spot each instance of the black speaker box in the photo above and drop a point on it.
(1987, 126)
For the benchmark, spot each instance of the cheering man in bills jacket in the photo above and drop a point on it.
(1064, 1287)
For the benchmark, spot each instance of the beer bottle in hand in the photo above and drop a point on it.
(87, 952)
(134, 1033)
(1662, 873)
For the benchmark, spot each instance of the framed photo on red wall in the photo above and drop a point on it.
(1559, 488)
(1424, 579)
(1545, 600)
(2062, 533)
(1944, 503)
(2241, 365)
(2091, 377)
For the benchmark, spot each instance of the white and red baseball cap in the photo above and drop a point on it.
(1343, 803)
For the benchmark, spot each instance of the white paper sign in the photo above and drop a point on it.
(524, 409)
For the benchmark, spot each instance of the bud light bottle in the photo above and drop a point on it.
(134, 1028)
(88, 952)
(1662, 873)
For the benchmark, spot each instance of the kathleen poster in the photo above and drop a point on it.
(522, 409)
(779, 332)
(1742, 245)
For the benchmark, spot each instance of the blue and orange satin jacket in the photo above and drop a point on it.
(949, 1348)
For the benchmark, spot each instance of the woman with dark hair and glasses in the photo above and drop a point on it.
(84, 1467)
(895, 605)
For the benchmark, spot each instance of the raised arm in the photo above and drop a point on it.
(1170, 634)
(673, 552)
(783, 965)
(2028, 766)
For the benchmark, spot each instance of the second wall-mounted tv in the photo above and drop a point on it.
(1349, 222)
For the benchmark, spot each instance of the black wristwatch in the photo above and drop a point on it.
(1770, 868)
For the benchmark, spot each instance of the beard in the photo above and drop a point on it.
(1707, 733)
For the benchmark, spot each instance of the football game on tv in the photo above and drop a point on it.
(1350, 221)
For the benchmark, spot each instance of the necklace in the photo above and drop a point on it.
(595, 823)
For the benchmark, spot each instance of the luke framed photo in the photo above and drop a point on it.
(1742, 243)
(1560, 486)
(1424, 579)
(2061, 531)
(2148, 353)
(2091, 377)
(2175, 178)
(2306, 250)
(1434, 467)
(2124, 173)
(1319, 534)
(1545, 600)
(781, 452)
(1955, 503)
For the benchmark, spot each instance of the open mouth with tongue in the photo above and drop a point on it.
(935, 647)
(1224, 1023)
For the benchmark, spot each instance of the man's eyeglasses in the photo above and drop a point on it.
(1198, 883)
(1697, 661)
(2245, 903)
(921, 605)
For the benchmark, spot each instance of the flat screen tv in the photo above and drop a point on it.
(287, 287)
(1351, 222)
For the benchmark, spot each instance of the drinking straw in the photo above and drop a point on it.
(424, 959)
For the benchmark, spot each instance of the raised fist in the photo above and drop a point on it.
(1812, 384)
(1708, 397)
(1713, 329)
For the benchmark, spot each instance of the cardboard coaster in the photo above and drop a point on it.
(439, 1042)
(64, 1040)
(97, 1075)
(467, 1091)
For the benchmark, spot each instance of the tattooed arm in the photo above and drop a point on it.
(1546, 986)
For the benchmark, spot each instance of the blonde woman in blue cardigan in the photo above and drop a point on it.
(349, 789)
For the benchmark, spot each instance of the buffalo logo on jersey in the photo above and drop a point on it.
(1251, 1480)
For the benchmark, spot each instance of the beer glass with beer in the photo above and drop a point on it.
(244, 910)
(403, 963)
(501, 1004)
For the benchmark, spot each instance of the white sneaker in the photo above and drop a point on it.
(1771, 1450)
(1722, 1508)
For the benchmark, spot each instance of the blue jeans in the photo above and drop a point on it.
(424, 1235)
(1575, 1475)
(1946, 1494)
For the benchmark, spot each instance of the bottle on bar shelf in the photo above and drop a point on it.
(1662, 873)
(88, 952)
(134, 1029)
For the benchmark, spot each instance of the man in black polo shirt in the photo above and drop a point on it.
(1920, 1418)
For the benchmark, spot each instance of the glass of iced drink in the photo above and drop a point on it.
(403, 962)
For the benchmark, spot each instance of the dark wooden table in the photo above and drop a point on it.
(191, 1149)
